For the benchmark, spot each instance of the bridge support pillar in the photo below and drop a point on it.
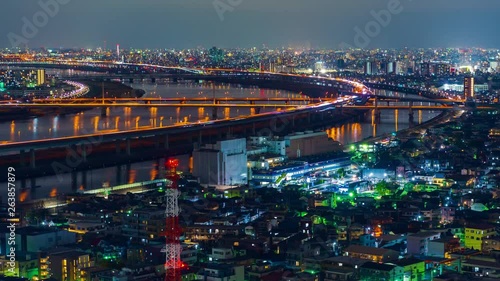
(377, 114)
(83, 152)
(253, 110)
(118, 146)
(22, 158)
(32, 158)
(128, 169)
(84, 179)
(411, 123)
(127, 148)
(376, 111)
(157, 142)
(119, 174)
(153, 80)
(104, 111)
(166, 146)
(33, 184)
(410, 111)
(214, 113)
(161, 169)
(74, 180)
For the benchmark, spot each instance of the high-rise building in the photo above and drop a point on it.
(399, 67)
(272, 66)
(68, 265)
(319, 66)
(216, 55)
(441, 69)
(493, 66)
(40, 77)
(340, 63)
(425, 69)
(370, 68)
(390, 67)
(469, 87)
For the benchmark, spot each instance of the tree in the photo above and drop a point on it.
(340, 173)
(37, 213)
(382, 188)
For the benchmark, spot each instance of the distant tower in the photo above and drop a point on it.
(390, 67)
(319, 66)
(40, 77)
(368, 68)
(341, 64)
(469, 87)
(117, 50)
(272, 66)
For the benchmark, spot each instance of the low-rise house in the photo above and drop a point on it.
(443, 247)
(221, 272)
(481, 266)
(418, 243)
(372, 271)
(476, 233)
(261, 269)
(371, 254)
(414, 269)
(491, 244)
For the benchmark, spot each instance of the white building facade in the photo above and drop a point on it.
(223, 163)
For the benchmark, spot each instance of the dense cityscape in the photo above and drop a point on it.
(243, 164)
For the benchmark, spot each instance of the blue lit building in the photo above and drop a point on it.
(297, 169)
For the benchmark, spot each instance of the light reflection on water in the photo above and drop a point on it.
(129, 118)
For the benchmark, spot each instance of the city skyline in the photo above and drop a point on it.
(245, 24)
(250, 140)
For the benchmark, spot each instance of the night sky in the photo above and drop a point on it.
(253, 23)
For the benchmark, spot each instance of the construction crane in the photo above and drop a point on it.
(173, 264)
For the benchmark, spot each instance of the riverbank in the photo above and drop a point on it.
(105, 154)
(443, 117)
(112, 89)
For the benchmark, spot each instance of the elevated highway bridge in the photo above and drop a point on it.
(308, 110)
(310, 85)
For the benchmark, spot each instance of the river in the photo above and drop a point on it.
(129, 118)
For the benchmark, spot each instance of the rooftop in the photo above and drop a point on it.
(33, 231)
(479, 226)
(366, 250)
(408, 261)
(378, 266)
(423, 234)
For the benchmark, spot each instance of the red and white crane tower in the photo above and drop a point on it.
(173, 231)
